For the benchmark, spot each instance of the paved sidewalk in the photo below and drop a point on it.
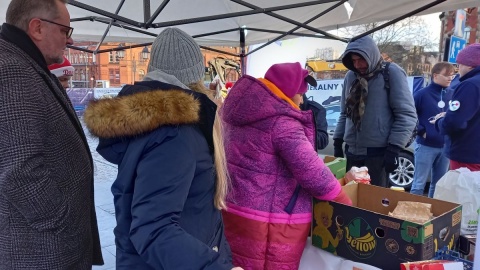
(105, 174)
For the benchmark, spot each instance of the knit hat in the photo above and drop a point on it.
(470, 55)
(176, 53)
(63, 69)
(290, 78)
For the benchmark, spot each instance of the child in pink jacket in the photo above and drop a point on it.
(274, 168)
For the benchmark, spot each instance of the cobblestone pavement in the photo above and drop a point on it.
(105, 174)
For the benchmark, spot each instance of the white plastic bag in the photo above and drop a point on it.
(314, 258)
(462, 186)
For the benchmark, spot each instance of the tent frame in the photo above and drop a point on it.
(113, 19)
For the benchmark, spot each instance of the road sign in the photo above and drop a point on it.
(456, 45)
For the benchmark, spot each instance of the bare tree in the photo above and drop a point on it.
(398, 40)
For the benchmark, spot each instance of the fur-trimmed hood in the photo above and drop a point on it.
(141, 112)
(143, 108)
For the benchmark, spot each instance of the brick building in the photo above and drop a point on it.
(472, 25)
(114, 69)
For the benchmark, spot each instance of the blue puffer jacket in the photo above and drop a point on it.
(161, 138)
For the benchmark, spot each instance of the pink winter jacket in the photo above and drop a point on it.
(270, 151)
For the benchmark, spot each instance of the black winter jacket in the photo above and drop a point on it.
(161, 138)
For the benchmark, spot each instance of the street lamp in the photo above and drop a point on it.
(145, 53)
(466, 34)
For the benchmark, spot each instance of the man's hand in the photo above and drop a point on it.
(237, 268)
(438, 116)
(391, 158)
(338, 148)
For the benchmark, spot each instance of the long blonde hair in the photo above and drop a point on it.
(222, 182)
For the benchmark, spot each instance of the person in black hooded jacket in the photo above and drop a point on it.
(321, 125)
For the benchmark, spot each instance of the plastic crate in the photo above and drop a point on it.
(450, 255)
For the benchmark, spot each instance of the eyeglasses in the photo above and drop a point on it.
(69, 31)
(447, 76)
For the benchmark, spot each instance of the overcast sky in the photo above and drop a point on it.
(299, 49)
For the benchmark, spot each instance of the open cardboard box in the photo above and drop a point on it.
(365, 233)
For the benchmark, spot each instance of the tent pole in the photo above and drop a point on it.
(109, 26)
(242, 51)
(291, 34)
(285, 19)
(219, 51)
(106, 21)
(256, 10)
(298, 27)
(146, 10)
(215, 33)
(104, 13)
(126, 47)
(149, 21)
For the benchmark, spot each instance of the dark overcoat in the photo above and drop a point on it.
(47, 212)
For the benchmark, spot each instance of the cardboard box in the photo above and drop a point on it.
(365, 233)
(336, 165)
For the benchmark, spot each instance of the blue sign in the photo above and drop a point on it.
(456, 45)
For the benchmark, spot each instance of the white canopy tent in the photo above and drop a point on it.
(206, 16)
(235, 22)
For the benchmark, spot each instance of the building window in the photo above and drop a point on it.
(82, 75)
(112, 57)
(114, 76)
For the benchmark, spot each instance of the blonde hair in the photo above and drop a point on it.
(222, 182)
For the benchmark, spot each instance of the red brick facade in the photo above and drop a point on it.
(448, 24)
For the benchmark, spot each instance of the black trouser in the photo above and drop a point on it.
(374, 163)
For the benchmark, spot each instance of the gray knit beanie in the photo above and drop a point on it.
(176, 53)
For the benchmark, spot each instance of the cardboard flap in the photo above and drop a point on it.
(351, 191)
(384, 200)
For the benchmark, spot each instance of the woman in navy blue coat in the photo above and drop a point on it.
(171, 181)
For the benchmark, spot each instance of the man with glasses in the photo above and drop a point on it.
(67, 29)
(430, 101)
(47, 212)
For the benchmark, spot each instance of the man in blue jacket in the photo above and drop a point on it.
(461, 122)
(430, 101)
(375, 123)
